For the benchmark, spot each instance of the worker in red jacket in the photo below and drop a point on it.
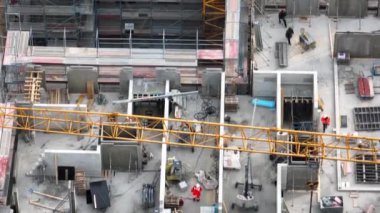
(196, 191)
(325, 122)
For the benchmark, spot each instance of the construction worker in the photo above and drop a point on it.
(196, 192)
(281, 17)
(289, 34)
(325, 122)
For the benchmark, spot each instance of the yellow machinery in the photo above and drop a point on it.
(252, 139)
(173, 169)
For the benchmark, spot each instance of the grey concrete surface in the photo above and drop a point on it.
(319, 59)
(263, 170)
(349, 74)
(201, 159)
(125, 188)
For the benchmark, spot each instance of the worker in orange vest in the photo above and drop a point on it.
(325, 122)
(196, 191)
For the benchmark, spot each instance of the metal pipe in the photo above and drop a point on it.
(310, 8)
(64, 41)
(337, 13)
(155, 97)
(97, 43)
(360, 15)
(163, 42)
(31, 41)
(294, 13)
(197, 41)
(130, 43)
(164, 139)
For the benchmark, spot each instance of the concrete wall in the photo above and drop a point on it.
(169, 73)
(299, 175)
(264, 85)
(87, 161)
(302, 7)
(359, 45)
(294, 78)
(297, 85)
(121, 156)
(77, 77)
(126, 74)
(348, 8)
(211, 82)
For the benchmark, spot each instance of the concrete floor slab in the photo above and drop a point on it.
(262, 167)
(319, 59)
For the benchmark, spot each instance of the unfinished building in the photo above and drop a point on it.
(190, 106)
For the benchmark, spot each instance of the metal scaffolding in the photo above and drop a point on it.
(179, 18)
(49, 19)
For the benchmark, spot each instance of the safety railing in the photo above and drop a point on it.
(130, 43)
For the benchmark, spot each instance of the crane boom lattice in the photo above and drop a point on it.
(148, 129)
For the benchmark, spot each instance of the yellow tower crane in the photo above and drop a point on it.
(148, 129)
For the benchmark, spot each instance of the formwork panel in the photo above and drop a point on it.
(367, 173)
(348, 8)
(302, 7)
(367, 118)
(359, 45)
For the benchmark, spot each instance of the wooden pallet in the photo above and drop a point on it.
(80, 183)
(231, 103)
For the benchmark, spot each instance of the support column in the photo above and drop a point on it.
(315, 90)
(164, 150)
(231, 38)
(130, 97)
(278, 102)
(221, 142)
(279, 187)
(336, 95)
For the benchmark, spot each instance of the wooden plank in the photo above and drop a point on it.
(44, 206)
(47, 195)
(90, 90)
